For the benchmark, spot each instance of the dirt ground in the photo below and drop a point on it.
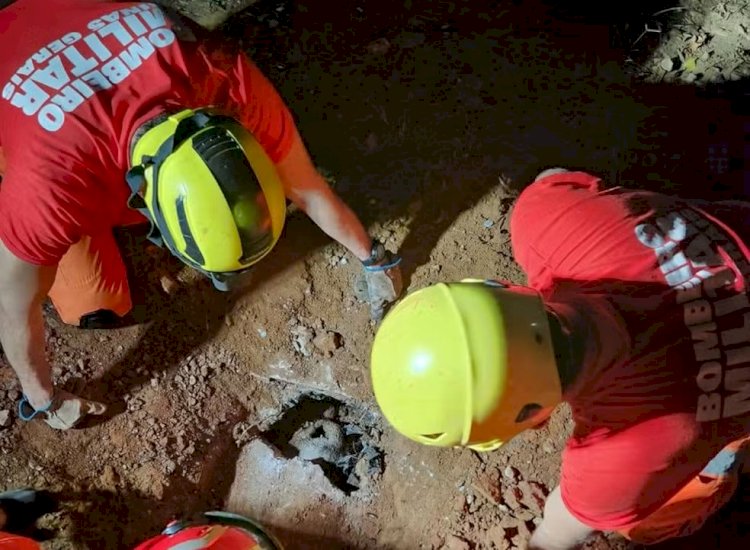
(428, 118)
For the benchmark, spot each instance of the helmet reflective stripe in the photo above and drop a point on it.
(212, 195)
(205, 541)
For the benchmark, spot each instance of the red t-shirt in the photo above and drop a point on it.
(660, 285)
(78, 77)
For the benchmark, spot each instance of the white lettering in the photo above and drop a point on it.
(27, 68)
(69, 99)
(96, 24)
(41, 56)
(117, 30)
(71, 38)
(97, 80)
(688, 294)
(51, 117)
(154, 17)
(649, 236)
(697, 312)
(137, 52)
(116, 71)
(162, 38)
(709, 407)
(738, 356)
(84, 89)
(136, 25)
(81, 64)
(32, 98)
(705, 341)
(735, 302)
(673, 226)
(53, 75)
(8, 91)
(100, 50)
(737, 381)
(709, 377)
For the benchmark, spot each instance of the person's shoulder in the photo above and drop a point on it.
(558, 185)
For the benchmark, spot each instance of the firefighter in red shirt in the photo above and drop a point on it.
(113, 114)
(636, 314)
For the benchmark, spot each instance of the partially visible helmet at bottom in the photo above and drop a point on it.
(214, 530)
(466, 364)
(211, 193)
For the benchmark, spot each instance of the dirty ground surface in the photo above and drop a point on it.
(427, 118)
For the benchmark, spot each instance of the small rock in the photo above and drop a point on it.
(154, 382)
(168, 284)
(511, 474)
(379, 46)
(454, 542)
(109, 478)
(14, 395)
(548, 447)
(80, 364)
(488, 224)
(302, 337)
(667, 64)
(168, 467)
(262, 333)
(512, 497)
(327, 342)
(5, 418)
(192, 380)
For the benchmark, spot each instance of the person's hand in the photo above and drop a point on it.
(65, 410)
(384, 284)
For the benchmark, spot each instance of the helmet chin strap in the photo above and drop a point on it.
(568, 352)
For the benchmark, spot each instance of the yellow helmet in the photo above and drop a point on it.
(466, 364)
(212, 195)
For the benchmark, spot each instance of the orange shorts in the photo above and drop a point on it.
(688, 510)
(91, 276)
(14, 542)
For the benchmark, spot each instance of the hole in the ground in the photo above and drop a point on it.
(331, 434)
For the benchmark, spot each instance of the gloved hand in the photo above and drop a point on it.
(384, 283)
(64, 411)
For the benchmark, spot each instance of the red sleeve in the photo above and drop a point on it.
(38, 223)
(261, 109)
(613, 481)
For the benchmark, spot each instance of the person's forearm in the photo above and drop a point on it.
(338, 221)
(23, 287)
(559, 529)
(304, 185)
(23, 343)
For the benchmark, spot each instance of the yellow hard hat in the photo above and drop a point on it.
(212, 195)
(466, 364)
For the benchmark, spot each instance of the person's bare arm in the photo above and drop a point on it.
(23, 287)
(559, 530)
(304, 185)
